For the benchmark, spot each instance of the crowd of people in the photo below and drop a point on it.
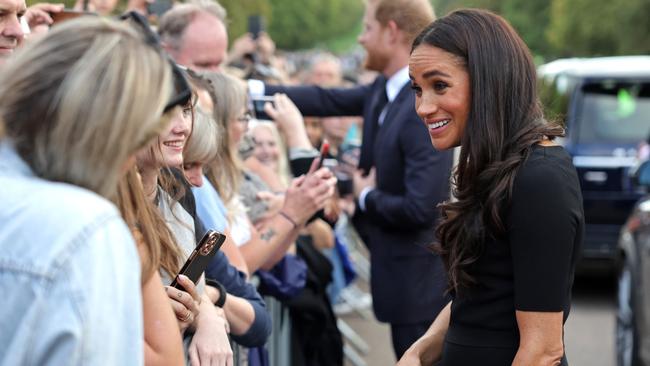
(122, 144)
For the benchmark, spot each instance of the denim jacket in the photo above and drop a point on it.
(69, 274)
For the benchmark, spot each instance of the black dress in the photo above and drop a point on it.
(530, 269)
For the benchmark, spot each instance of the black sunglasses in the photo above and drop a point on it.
(182, 91)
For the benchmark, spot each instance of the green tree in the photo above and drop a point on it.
(312, 22)
(599, 27)
(530, 18)
(240, 10)
(444, 7)
(296, 25)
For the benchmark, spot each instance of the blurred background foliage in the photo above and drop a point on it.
(300, 24)
(551, 28)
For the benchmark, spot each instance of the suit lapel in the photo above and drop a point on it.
(366, 160)
(391, 115)
(393, 107)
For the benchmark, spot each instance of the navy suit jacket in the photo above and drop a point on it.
(407, 280)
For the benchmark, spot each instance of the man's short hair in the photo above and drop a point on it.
(411, 16)
(173, 24)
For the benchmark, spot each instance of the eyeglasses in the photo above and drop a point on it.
(182, 90)
(245, 118)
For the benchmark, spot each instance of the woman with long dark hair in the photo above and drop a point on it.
(511, 239)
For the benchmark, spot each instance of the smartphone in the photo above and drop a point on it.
(200, 257)
(258, 107)
(67, 14)
(158, 7)
(324, 150)
(255, 25)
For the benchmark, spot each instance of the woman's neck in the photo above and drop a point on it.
(547, 142)
(150, 183)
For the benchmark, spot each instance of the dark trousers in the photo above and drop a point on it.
(404, 335)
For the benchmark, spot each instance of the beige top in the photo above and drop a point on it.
(181, 224)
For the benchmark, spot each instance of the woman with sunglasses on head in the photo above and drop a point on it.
(75, 107)
(511, 239)
(203, 325)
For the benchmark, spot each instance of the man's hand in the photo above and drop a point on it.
(241, 46)
(265, 47)
(39, 14)
(362, 182)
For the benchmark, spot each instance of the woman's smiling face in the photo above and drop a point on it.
(173, 139)
(442, 94)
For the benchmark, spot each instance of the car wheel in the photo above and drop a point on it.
(626, 342)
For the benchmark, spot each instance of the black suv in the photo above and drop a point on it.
(606, 102)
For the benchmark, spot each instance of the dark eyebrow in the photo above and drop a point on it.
(432, 73)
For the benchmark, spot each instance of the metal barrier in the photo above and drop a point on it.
(279, 343)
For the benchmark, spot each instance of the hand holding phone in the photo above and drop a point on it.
(200, 257)
(324, 150)
(255, 25)
(158, 7)
(258, 107)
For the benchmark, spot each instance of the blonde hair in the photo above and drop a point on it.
(149, 228)
(411, 16)
(283, 171)
(228, 97)
(78, 102)
(203, 145)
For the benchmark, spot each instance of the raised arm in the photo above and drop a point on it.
(322, 102)
(305, 197)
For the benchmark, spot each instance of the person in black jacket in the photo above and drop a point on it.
(512, 238)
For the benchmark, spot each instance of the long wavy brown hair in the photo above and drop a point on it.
(157, 244)
(504, 123)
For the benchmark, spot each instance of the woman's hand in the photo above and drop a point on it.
(332, 209)
(409, 358)
(289, 121)
(284, 113)
(428, 349)
(273, 201)
(210, 345)
(308, 194)
(185, 303)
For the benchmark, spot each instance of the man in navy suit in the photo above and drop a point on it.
(401, 178)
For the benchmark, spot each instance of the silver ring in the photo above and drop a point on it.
(187, 316)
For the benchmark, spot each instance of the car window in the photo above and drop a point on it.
(614, 113)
